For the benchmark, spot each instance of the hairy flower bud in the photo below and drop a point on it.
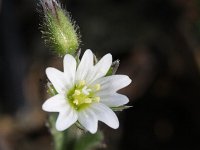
(57, 28)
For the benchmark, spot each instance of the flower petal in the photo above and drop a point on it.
(66, 119)
(69, 68)
(84, 66)
(114, 100)
(100, 69)
(57, 78)
(88, 119)
(105, 114)
(111, 84)
(55, 103)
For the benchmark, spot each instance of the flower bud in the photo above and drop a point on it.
(57, 28)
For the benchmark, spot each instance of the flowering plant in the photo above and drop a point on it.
(86, 91)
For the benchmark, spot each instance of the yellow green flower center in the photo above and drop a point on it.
(82, 95)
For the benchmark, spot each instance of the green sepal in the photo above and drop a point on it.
(120, 108)
(51, 90)
(113, 68)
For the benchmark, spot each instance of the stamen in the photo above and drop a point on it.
(77, 92)
(97, 87)
(75, 101)
(82, 94)
(96, 99)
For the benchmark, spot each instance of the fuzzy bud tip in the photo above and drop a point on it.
(57, 28)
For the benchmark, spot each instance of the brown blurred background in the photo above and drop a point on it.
(158, 44)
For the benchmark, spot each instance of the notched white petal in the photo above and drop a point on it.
(111, 84)
(57, 78)
(66, 119)
(55, 104)
(100, 69)
(114, 100)
(85, 65)
(88, 119)
(69, 68)
(106, 115)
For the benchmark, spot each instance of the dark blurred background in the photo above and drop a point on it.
(158, 44)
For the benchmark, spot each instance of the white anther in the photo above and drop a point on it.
(75, 101)
(97, 87)
(77, 92)
(96, 99)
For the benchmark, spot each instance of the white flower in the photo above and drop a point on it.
(85, 93)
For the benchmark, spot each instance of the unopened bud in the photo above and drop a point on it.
(57, 28)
